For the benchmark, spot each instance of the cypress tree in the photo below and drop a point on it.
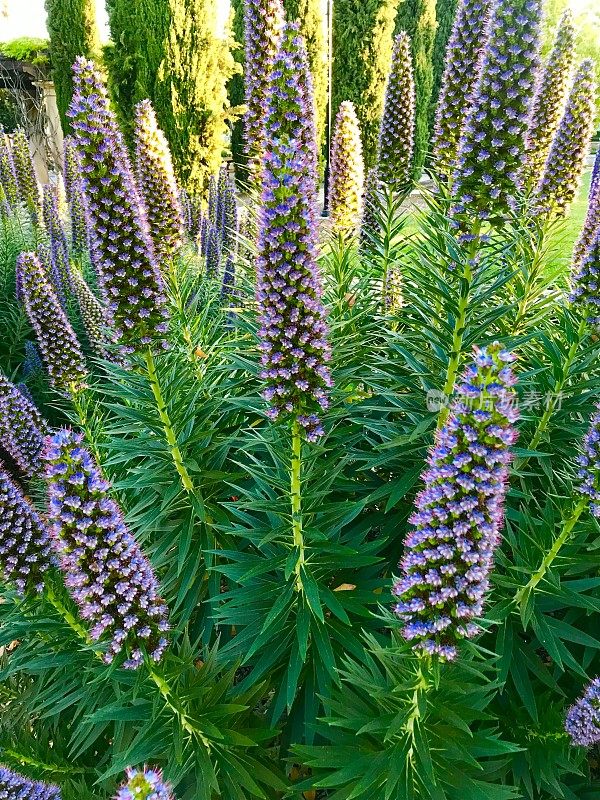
(445, 11)
(73, 32)
(309, 14)
(418, 19)
(169, 52)
(235, 89)
(362, 52)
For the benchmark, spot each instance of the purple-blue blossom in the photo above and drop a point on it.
(14, 786)
(583, 718)
(122, 250)
(22, 428)
(80, 237)
(105, 570)
(144, 784)
(585, 282)
(293, 332)
(458, 519)
(591, 226)
(397, 131)
(589, 464)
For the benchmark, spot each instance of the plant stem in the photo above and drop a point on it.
(167, 424)
(175, 705)
(77, 397)
(556, 393)
(422, 685)
(460, 323)
(568, 525)
(296, 498)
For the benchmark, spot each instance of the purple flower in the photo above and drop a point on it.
(59, 247)
(60, 350)
(589, 463)
(228, 283)
(263, 22)
(213, 249)
(27, 185)
(347, 173)
(459, 514)
(80, 237)
(595, 173)
(122, 251)
(157, 184)
(93, 316)
(369, 224)
(293, 333)
(144, 784)
(591, 226)
(227, 211)
(583, 718)
(22, 428)
(32, 363)
(586, 281)
(466, 42)
(492, 140)
(17, 787)
(548, 103)
(570, 147)
(397, 132)
(106, 572)
(8, 179)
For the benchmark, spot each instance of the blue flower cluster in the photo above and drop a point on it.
(583, 718)
(17, 787)
(22, 428)
(397, 131)
(106, 572)
(459, 513)
(144, 784)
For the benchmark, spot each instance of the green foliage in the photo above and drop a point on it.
(362, 51)
(418, 19)
(9, 111)
(445, 11)
(171, 54)
(73, 32)
(28, 49)
(235, 89)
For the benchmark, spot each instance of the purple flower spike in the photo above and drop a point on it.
(397, 133)
(293, 333)
(369, 224)
(213, 249)
(80, 237)
(27, 185)
(591, 226)
(105, 570)
(549, 101)
(583, 718)
(157, 184)
(22, 428)
(228, 284)
(492, 144)
(17, 787)
(60, 350)
(595, 174)
(459, 513)
(122, 251)
(32, 363)
(347, 173)
(144, 784)
(93, 316)
(8, 179)
(589, 463)
(571, 145)
(263, 23)
(586, 281)
(466, 42)
(47, 258)
(59, 246)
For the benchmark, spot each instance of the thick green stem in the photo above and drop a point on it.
(296, 499)
(423, 684)
(167, 424)
(568, 525)
(556, 394)
(460, 324)
(174, 703)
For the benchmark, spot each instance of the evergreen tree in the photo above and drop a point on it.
(363, 33)
(445, 11)
(418, 19)
(73, 32)
(170, 53)
(235, 89)
(309, 14)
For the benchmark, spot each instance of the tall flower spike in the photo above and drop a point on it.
(80, 240)
(58, 239)
(293, 333)
(32, 363)
(397, 132)
(144, 784)
(47, 257)
(22, 428)
(92, 315)
(492, 145)
(589, 463)
(122, 251)
(595, 174)
(263, 23)
(591, 226)
(566, 160)
(583, 718)
(17, 787)
(459, 513)
(228, 284)
(25, 543)
(549, 101)
(8, 179)
(586, 281)
(213, 250)
(369, 224)
(347, 173)
(27, 185)
(60, 350)
(157, 184)
(460, 74)
(106, 572)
